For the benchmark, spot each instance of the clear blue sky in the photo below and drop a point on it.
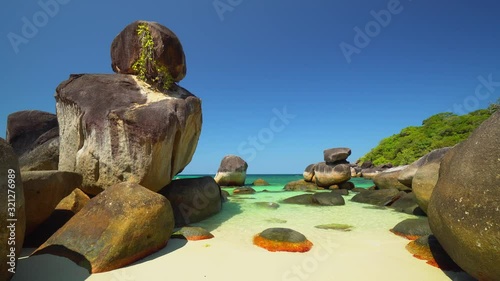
(256, 57)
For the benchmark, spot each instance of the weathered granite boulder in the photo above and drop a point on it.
(334, 155)
(194, 199)
(406, 175)
(13, 207)
(408, 204)
(464, 208)
(327, 175)
(114, 128)
(167, 51)
(426, 177)
(309, 173)
(412, 228)
(232, 171)
(366, 165)
(389, 179)
(43, 190)
(384, 197)
(121, 225)
(300, 185)
(24, 128)
(74, 202)
(355, 172)
(370, 173)
(43, 157)
(282, 239)
(320, 198)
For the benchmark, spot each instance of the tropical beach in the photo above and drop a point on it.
(367, 249)
(327, 141)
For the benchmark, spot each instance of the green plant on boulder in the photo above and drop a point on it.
(148, 69)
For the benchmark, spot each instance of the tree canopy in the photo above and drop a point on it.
(440, 130)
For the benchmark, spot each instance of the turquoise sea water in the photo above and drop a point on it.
(278, 181)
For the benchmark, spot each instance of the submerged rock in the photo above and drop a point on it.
(282, 240)
(300, 185)
(267, 205)
(243, 190)
(335, 226)
(119, 226)
(260, 182)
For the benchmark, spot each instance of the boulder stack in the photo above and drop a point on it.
(333, 172)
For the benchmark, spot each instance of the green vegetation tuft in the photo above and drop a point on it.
(440, 130)
(147, 67)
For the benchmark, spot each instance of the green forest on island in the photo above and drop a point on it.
(440, 130)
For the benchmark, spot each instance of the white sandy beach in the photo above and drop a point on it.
(368, 252)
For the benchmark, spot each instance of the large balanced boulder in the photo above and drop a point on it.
(43, 190)
(12, 212)
(426, 177)
(327, 175)
(464, 212)
(194, 199)
(115, 128)
(232, 171)
(389, 179)
(334, 155)
(166, 50)
(121, 225)
(25, 129)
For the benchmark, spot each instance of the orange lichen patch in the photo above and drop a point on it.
(199, 237)
(409, 237)
(428, 248)
(279, 246)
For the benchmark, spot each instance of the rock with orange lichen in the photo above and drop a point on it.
(412, 228)
(121, 225)
(192, 233)
(428, 248)
(282, 240)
